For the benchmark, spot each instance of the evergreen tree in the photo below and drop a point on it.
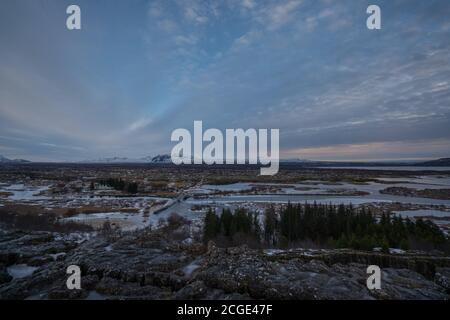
(211, 226)
(270, 226)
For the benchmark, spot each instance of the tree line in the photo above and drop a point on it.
(335, 226)
(120, 185)
(232, 228)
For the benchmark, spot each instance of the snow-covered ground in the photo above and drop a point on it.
(423, 213)
(18, 271)
(131, 213)
(21, 192)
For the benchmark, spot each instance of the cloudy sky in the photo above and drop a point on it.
(139, 69)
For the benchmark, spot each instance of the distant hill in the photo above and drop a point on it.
(295, 160)
(166, 158)
(146, 159)
(443, 162)
(110, 160)
(6, 160)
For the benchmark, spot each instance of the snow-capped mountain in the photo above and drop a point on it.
(162, 158)
(6, 160)
(146, 159)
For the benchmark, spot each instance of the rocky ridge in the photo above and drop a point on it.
(151, 265)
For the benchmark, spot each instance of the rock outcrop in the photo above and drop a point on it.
(149, 265)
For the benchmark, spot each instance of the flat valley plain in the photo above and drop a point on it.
(138, 232)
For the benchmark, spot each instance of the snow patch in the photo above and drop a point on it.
(18, 271)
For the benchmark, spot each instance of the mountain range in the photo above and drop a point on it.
(166, 158)
(6, 160)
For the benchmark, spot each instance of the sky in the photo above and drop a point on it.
(139, 69)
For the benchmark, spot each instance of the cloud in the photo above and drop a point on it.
(248, 4)
(193, 15)
(167, 25)
(309, 68)
(199, 12)
(396, 150)
(186, 40)
(278, 14)
(139, 124)
(245, 40)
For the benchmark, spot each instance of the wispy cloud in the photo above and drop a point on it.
(309, 68)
